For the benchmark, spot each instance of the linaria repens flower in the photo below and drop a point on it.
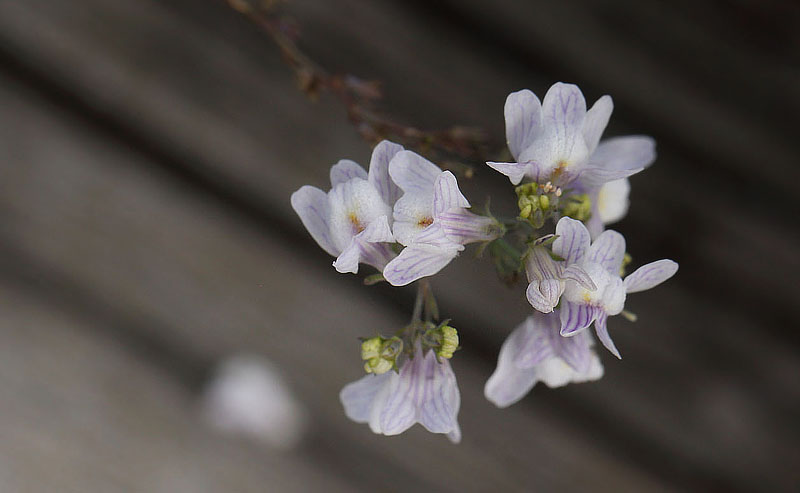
(602, 260)
(424, 391)
(353, 221)
(431, 219)
(536, 352)
(557, 140)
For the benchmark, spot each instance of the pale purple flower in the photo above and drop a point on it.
(424, 391)
(536, 352)
(602, 261)
(431, 219)
(547, 278)
(558, 140)
(353, 221)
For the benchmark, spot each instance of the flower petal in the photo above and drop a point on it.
(540, 265)
(611, 203)
(379, 171)
(608, 250)
(618, 158)
(311, 204)
(650, 275)
(576, 273)
(345, 170)
(536, 344)
(575, 351)
(509, 383)
(440, 399)
(602, 334)
(573, 240)
(596, 121)
(446, 194)
(514, 171)
(426, 256)
(544, 295)
(461, 226)
(357, 397)
(576, 317)
(368, 247)
(393, 409)
(523, 115)
(413, 173)
(564, 107)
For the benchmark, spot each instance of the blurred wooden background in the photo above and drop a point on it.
(148, 150)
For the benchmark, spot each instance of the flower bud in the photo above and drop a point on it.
(449, 342)
(380, 354)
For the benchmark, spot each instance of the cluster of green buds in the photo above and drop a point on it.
(537, 202)
(578, 206)
(380, 354)
(442, 339)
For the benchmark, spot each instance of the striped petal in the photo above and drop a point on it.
(602, 333)
(424, 391)
(345, 170)
(596, 121)
(523, 115)
(544, 295)
(311, 204)
(573, 240)
(430, 252)
(650, 275)
(379, 171)
(446, 194)
(357, 397)
(576, 317)
(514, 171)
(608, 250)
(413, 173)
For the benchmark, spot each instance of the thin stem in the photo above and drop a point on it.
(358, 95)
(419, 303)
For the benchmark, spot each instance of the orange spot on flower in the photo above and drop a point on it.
(425, 222)
(355, 222)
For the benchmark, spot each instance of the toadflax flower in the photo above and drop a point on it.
(353, 221)
(602, 261)
(558, 140)
(431, 219)
(535, 352)
(424, 391)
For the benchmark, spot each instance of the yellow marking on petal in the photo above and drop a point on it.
(355, 222)
(425, 222)
(587, 296)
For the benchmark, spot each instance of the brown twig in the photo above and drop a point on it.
(359, 96)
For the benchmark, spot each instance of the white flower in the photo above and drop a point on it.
(424, 391)
(602, 261)
(431, 219)
(353, 221)
(535, 352)
(557, 140)
(249, 396)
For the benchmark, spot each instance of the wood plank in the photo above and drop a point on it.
(185, 272)
(204, 121)
(84, 414)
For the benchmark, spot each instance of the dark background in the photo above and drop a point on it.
(147, 153)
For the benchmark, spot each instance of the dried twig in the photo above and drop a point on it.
(359, 96)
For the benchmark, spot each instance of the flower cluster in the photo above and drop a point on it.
(407, 218)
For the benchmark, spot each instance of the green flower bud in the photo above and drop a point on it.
(380, 354)
(578, 207)
(544, 202)
(449, 342)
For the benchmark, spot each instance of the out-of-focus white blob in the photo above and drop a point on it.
(248, 396)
